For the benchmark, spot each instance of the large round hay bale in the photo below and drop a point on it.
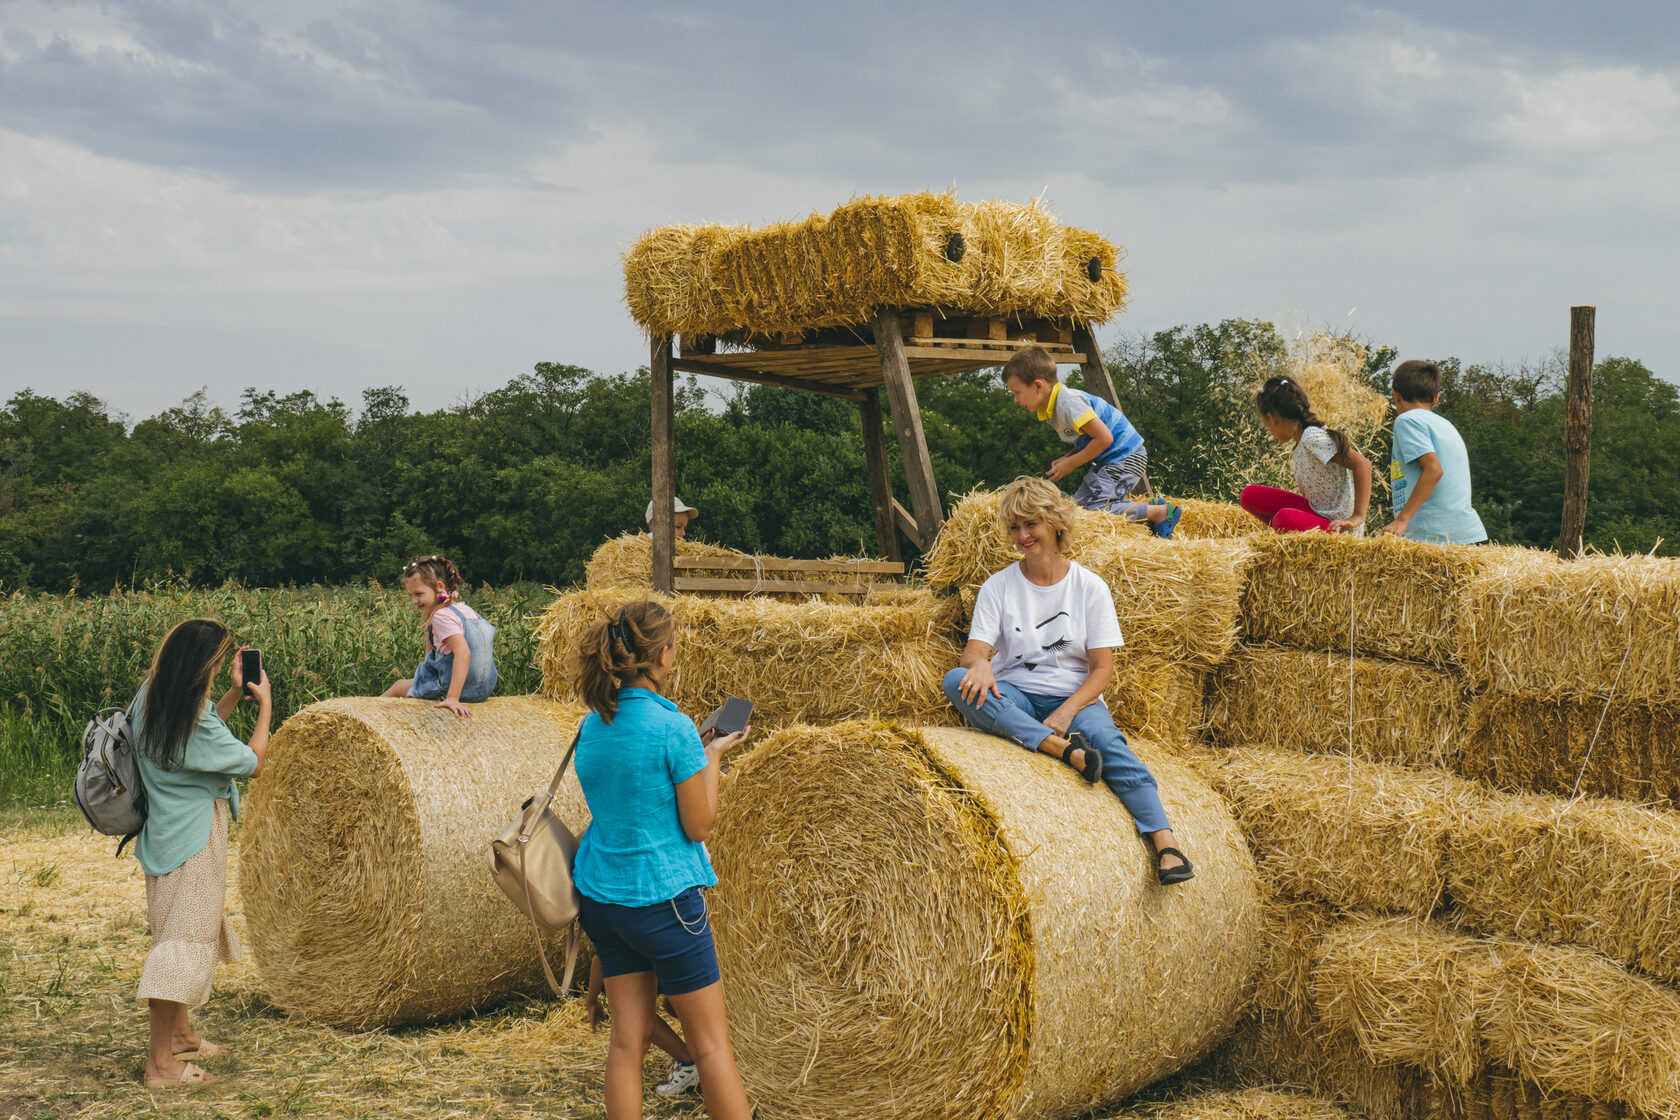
(936, 923)
(362, 857)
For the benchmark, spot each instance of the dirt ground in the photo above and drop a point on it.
(73, 937)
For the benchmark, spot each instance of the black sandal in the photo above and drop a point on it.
(1092, 770)
(1170, 875)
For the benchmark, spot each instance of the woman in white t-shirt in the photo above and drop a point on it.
(1335, 479)
(1054, 630)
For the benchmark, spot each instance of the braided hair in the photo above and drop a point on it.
(439, 571)
(1284, 398)
(618, 649)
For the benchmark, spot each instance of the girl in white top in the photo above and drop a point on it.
(1053, 628)
(1335, 479)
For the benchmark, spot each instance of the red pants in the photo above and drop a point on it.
(1284, 510)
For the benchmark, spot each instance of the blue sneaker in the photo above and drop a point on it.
(1164, 527)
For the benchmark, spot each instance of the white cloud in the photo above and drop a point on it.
(1598, 107)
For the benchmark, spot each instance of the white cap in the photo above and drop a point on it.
(679, 508)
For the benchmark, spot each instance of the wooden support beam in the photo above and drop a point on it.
(1095, 370)
(880, 474)
(664, 464)
(907, 422)
(718, 369)
(905, 521)
(1577, 438)
(993, 328)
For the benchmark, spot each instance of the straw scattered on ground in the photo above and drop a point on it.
(1239, 1104)
(1292, 699)
(956, 928)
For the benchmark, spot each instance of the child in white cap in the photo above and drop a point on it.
(683, 515)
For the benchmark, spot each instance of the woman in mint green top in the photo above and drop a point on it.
(188, 762)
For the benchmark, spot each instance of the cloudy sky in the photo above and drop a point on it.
(332, 196)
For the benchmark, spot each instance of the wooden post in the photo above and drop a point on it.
(1577, 438)
(880, 475)
(1096, 371)
(907, 422)
(664, 465)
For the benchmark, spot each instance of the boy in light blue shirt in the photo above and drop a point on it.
(1430, 471)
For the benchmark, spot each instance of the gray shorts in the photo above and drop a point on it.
(1109, 486)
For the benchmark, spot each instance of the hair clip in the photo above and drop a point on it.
(618, 630)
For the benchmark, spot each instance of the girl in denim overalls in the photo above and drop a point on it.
(460, 665)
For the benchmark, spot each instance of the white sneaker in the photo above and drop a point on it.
(684, 1077)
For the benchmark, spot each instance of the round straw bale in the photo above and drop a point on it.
(937, 923)
(362, 856)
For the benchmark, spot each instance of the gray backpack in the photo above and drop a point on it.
(108, 785)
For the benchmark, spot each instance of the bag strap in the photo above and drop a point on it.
(560, 988)
(542, 802)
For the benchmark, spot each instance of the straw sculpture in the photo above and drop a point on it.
(1617, 749)
(1600, 874)
(362, 856)
(1404, 599)
(627, 562)
(1290, 699)
(1596, 627)
(1240, 1104)
(833, 270)
(1355, 834)
(1175, 599)
(945, 903)
(798, 662)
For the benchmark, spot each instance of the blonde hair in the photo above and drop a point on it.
(1038, 499)
(618, 649)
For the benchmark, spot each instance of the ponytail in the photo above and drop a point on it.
(618, 649)
(1284, 398)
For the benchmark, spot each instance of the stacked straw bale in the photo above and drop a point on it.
(627, 562)
(1291, 699)
(1537, 744)
(1241, 1104)
(1176, 599)
(797, 662)
(362, 856)
(971, 898)
(835, 270)
(1205, 521)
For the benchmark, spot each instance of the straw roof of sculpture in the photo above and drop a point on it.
(837, 269)
(894, 899)
(362, 856)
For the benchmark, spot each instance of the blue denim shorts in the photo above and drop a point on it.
(672, 940)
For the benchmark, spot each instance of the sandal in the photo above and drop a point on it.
(1170, 875)
(1164, 527)
(206, 1049)
(1092, 770)
(191, 1076)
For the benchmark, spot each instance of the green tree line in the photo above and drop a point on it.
(521, 484)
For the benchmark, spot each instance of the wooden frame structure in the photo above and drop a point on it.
(899, 348)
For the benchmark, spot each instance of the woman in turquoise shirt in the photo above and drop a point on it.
(188, 760)
(652, 788)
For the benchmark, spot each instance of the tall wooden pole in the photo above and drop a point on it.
(664, 465)
(1093, 366)
(880, 475)
(907, 422)
(1577, 439)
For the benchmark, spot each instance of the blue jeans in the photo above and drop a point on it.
(432, 675)
(1017, 715)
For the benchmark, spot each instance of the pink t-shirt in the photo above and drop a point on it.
(446, 622)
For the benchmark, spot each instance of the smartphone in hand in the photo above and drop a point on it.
(250, 667)
(733, 716)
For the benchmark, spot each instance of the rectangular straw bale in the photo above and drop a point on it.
(1402, 712)
(809, 662)
(1204, 520)
(1237, 1104)
(1353, 834)
(1624, 749)
(1576, 630)
(1401, 597)
(1600, 874)
(1175, 599)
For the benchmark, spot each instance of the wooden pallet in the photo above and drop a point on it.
(786, 578)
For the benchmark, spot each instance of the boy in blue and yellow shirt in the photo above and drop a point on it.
(1430, 471)
(1100, 434)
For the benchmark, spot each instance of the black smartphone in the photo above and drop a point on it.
(733, 716)
(250, 667)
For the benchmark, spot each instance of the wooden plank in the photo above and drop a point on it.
(748, 587)
(880, 475)
(664, 463)
(990, 356)
(1577, 438)
(906, 523)
(916, 324)
(757, 377)
(1095, 369)
(783, 564)
(1007, 346)
(907, 423)
(993, 328)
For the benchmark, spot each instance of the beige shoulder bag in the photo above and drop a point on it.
(531, 862)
